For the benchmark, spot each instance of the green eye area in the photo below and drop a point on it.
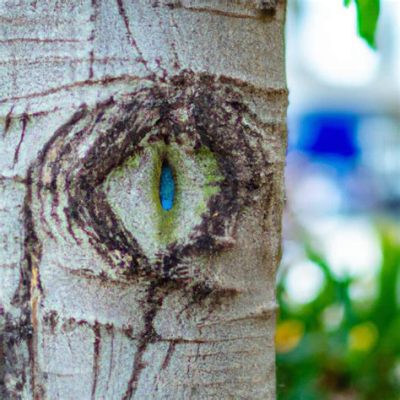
(160, 193)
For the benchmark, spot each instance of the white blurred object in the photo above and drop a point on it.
(331, 46)
(330, 66)
(351, 246)
(304, 281)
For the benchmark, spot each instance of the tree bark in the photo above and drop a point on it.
(105, 294)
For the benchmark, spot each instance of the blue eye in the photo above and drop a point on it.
(167, 187)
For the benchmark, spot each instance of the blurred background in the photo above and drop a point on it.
(338, 286)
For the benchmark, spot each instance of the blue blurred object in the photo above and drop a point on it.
(167, 187)
(330, 137)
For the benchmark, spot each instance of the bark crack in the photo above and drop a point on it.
(92, 36)
(132, 41)
(153, 302)
(24, 120)
(96, 357)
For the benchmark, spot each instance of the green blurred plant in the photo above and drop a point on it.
(367, 18)
(336, 347)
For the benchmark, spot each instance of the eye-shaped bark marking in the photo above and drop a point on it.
(152, 178)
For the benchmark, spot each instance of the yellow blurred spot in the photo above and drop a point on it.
(288, 335)
(362, 337)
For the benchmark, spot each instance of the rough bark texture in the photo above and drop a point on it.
(103, 294)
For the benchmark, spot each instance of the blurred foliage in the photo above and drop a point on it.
(337, 347)
(367, 18)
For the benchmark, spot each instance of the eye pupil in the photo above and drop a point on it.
(167, 186)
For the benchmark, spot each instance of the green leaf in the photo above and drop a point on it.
(367, 16)
(367, 19)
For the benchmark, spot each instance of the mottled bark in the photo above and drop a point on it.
(103, 293)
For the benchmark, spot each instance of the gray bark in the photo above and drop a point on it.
(103, 294)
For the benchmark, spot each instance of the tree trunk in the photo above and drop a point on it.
(141, 163)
